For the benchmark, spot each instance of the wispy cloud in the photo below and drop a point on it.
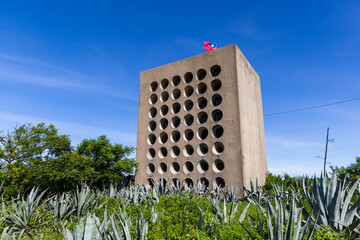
(297, 170)
(292, 143)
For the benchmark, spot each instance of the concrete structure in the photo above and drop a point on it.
(202, 118)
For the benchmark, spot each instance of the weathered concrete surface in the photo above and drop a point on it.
(244, 154)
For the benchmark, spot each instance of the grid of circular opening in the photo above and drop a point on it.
(218, 131)
(152, 125)
(202, 117)
(164, 96)
(201, 74)
(188, 167)
(188, 134)
(174, 151)
(202, 133)
(219, 182)
(216, 100)
(164, 123)
(164, 110)
(202, 166)
(175, 122)
(218, 165)
(164, 83)
(163, 152)
(150, 168)
(153, 99)
(217, 115)
(175, 168)
(201, 88)
(188, 105)
(151, 139)
(189, 183)
(216, 85)
(188, 77)
(151, 153)
(153, 86)
(176, 93)
(175, 136)
(204, 182)
(202, 103)
(188, 119)
(152, 112)
(176, 108)
(189, 90)
(202, 149)
(218, 148)
(188, 150)
(163, 137)
(162, 168)
(215, 70)
(150, 183)
(176, 80)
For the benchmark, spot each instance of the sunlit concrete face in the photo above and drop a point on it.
(201, 118)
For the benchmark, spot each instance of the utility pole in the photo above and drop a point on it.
(326, 148)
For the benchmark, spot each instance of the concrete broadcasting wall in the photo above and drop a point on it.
(201, 118)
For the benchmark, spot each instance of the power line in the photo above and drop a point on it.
(308, 108)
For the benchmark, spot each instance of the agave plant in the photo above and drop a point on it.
(330, 203)
(83, 200)
(221, 214)
(60, 206)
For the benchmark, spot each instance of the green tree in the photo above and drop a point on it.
(352, 172)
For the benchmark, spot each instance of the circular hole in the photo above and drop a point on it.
(188, 183)
(152, 125)
(188, 119)
(164, 83)
(153, 99)
(176, 183)
(174, 151)
(216, 100)
(151, 139)
(202, 102)
(150, 168)
(175, 168)
(202, 133)
(150, 183)
(175, 108)
(202, 149)
(188, 77)
(188, 105)
(188, 167)
(162, 152)
(202, 117)
(153, 86)
(218, 165)
(151, 153)
(163, 137)
(201, 88)
(175, 136)
(188, 135)
(175, 122)
(176, 94)
(163, 123)
(218, 131)
(204, 182)
(216, 85)
(164, 96)
(188, 150)
(189, 90)
(201, 74)
(215, 70)
(176, 80)
(217, 115)
(202, 166)
(219, 182)
(163, 168)
(164, 110)
(152, 112)
(218, 148)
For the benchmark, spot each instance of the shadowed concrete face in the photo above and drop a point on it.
(202, 118)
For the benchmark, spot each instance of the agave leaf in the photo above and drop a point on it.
(243, 214)
(347, 201)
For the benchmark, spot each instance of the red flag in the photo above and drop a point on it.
(209, 46)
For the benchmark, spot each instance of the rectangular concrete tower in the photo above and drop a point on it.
(202, 118)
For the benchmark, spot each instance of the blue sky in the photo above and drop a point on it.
(76, 64)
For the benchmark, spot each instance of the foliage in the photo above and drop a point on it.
(351, 172)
